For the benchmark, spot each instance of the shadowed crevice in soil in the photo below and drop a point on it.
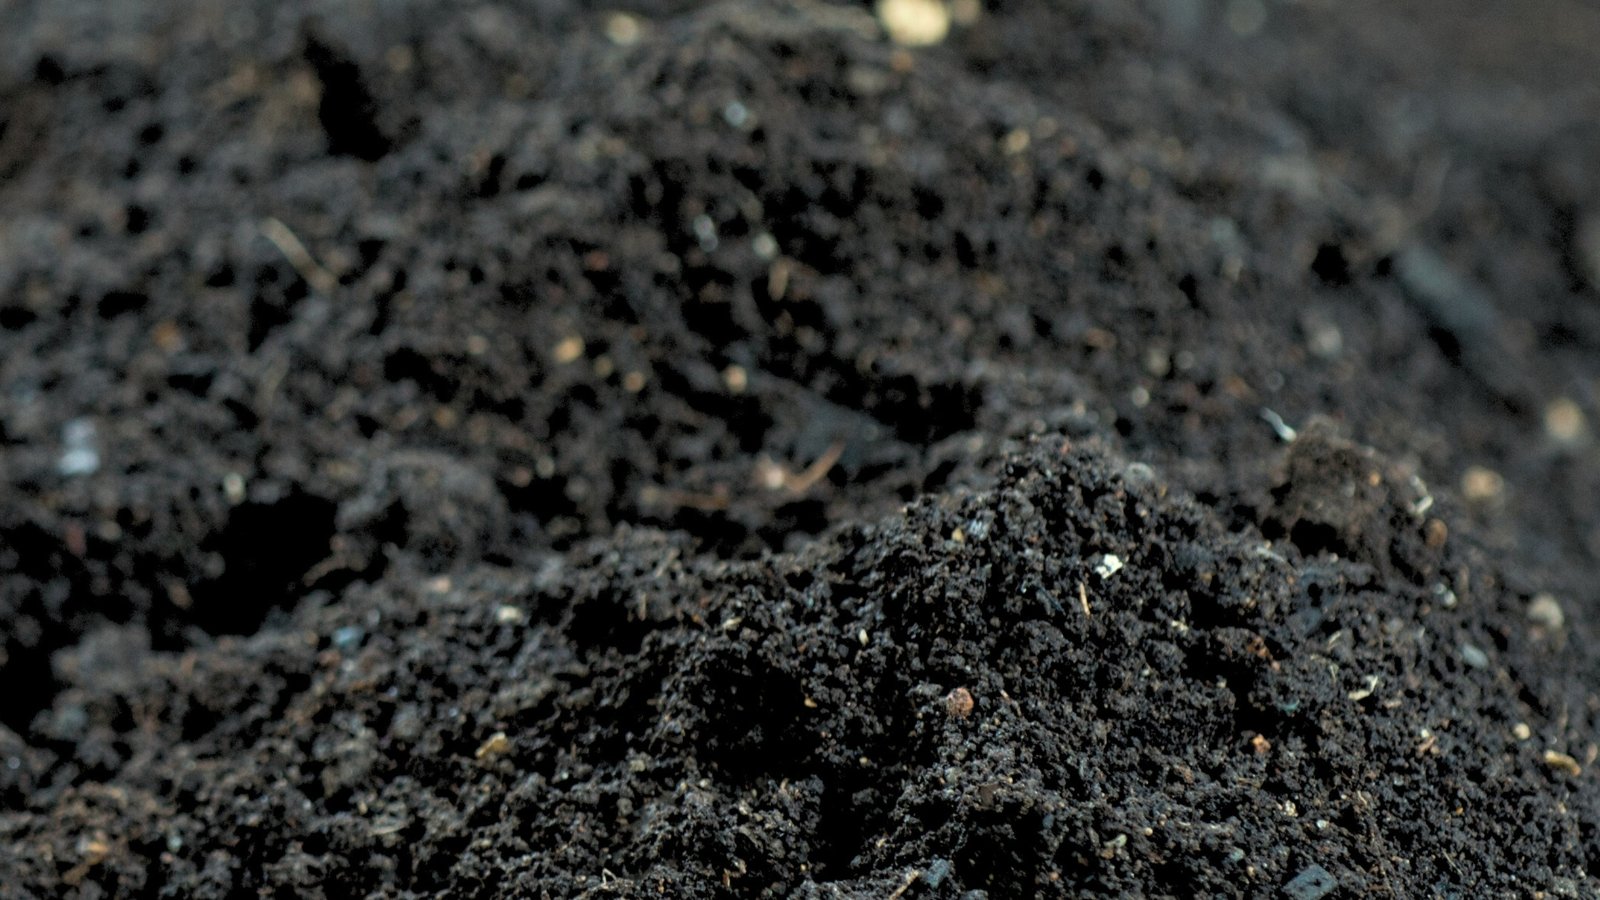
(267, 550)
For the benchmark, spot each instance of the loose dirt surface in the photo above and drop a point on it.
(1129, 449)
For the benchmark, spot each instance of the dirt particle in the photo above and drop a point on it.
(1260, 745)
(1482, 485)
(623, 30)
(1435, 533)
(1564, 421)
(167, 337)
(570, 348)
(93, 850)
(959, 703)
(735, 379)
(1016, 141)
(495, 745)
(1521, 731)
(349, 637)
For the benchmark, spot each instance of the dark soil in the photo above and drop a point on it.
(1132, 449)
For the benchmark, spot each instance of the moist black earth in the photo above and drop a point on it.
(714, 450)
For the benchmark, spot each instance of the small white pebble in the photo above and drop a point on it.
(863, 637)
(1564, 421)
(914, 23)
(233, 487)
(623, 29)
(1109, 565)
(765, 246)
(1545, 610)
(1326, 340)
(705, 232)
(78, 453)
(1447, 597)
(736, 114)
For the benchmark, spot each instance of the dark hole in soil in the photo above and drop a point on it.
(15, 318)
(1314, 538)
(1331, 265)
(348, 111)
(116, 303)
(268, 548)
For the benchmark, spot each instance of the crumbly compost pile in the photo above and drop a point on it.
(516, 450)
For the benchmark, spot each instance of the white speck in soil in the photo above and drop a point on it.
(705, 231)
(1109, 565)
(79, 455)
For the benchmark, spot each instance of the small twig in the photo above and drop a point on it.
(1083, 600)
(817, 470)
(320, 279)
(774, 476)
(911, 878)
(658, 496)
